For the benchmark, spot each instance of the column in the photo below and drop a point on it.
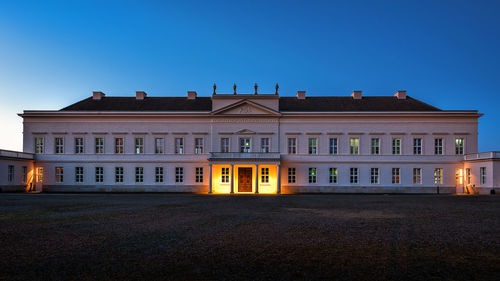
(232, 178)
(279, 179)
(256, 178)
(209, 178)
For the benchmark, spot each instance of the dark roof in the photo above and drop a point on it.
(312, 104)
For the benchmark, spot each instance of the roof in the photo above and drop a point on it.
(309, 104)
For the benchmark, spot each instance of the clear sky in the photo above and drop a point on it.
(54, 53)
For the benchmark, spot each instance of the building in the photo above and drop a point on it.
(255, 143)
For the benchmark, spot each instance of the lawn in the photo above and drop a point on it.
(201, 237)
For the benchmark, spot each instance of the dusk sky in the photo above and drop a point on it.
(54, 53)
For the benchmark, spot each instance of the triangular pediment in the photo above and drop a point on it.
(245, 132)
(246, 107)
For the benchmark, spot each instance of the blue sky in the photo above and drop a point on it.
(54, 53)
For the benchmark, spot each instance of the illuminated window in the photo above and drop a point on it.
(79, 174)
(59, 145)
(78, 145)
(139, 174)
(333, 176)
(224, 145)
(139, 145)
(225, 175)
(417, 146)
(25, 174)
(312, 175)
(39, 174)
(118, 174)
(291, 175)
(159, 174)
(374, 175)
(459, 146)
(459, 176)
(353, 175)
(438, 146)
(198, 146)
(119, 145)
(99, 145)
(159, 145)
(417, 175)
(354, 145)
(245, 145)
(482, 175)
(264, 145)
(396, 175)
(179, 174)
(59, 174)
(179, 146)
(333, 145)
(39, 147)
(396, 146)
(10, 173)
(292, 146)
(313, 146)
(99, 174)
(375, 146)
(468, 175)
(438, 176)
(199, 174)
(264, 175)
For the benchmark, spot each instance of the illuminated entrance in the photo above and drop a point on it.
(244, 179)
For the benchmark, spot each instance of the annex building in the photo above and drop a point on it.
(251, 143)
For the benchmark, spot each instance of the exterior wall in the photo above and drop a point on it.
(491, 162)
(18, 182)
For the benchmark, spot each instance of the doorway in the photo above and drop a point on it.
(244, 179)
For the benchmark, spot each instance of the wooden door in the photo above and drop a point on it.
(244, 179)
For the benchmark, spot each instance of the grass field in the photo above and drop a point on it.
(200, 237)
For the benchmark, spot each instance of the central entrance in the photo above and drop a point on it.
(244, 179)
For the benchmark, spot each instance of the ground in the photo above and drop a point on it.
(193, 237)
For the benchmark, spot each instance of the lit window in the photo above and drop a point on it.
(39, 174)
(354, 145)
(438, 146)
(139, 145)
(245, 145)
(118, 174)
(375, 146)
(99, 145)
(59, 174)
(353, 175)
(374, 178)
(313, 146)
(396, 175)
(417, 146)
(179, 146)
(119, 145)
(179, 174)
(459, 146)
(159, 145)
(224, 145)
(59, 145)
(291, 175)
(10, 173)
(482, 175)
(139, 174)
(417, 175)
(79, 174)
(199, 174)
(99, 174)
(438, 176)
(39, 147)
(333, 175)
(158, 174)
(225, 175)
(312, 175)
(264, 145)
(459, 177)
(292, 146)
(198, 146)
(334, 146)
(264, 175)
(396, 146)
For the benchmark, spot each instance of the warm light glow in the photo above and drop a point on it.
(30, 180)
(219, 187)
(459, 176)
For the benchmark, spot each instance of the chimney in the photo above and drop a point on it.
(301, 95)
(97, 95)
(401, 95)
(356, 95)
(140, 95)
(191, 95)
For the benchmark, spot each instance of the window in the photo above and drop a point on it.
(396, 146)
(118, 174)
(179, 174)
(467, 173)
(353, 175)
(244, 145)
(264, 175)
(39, 145)
(78, 145)
(198, 146)
(375, 146)
(199, 174)
(179, 146)
(459, 177)
(417, 175)
(374, 178)
(482, 175)
(333, 175)
(312, 175)
(139, 174)
(119, 145)
(39, 174)
(158, 174)
(354, 145)
(438, 146)
(291, 175)
(59, 145)
(78, 174)
(313, 146)
(292, 146)
(10, 173)
(396, 175)
(139, 145)
(99, 145)
(333, 146)
(417, 146)
(438, 176)
(25, 174)
(159, 145)
(99, 174)
(225, 175)
(264, 145)
(224, 145)
(459, 146)
(59, 174)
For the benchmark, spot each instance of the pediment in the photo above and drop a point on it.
(245, 132)
(246, 107)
